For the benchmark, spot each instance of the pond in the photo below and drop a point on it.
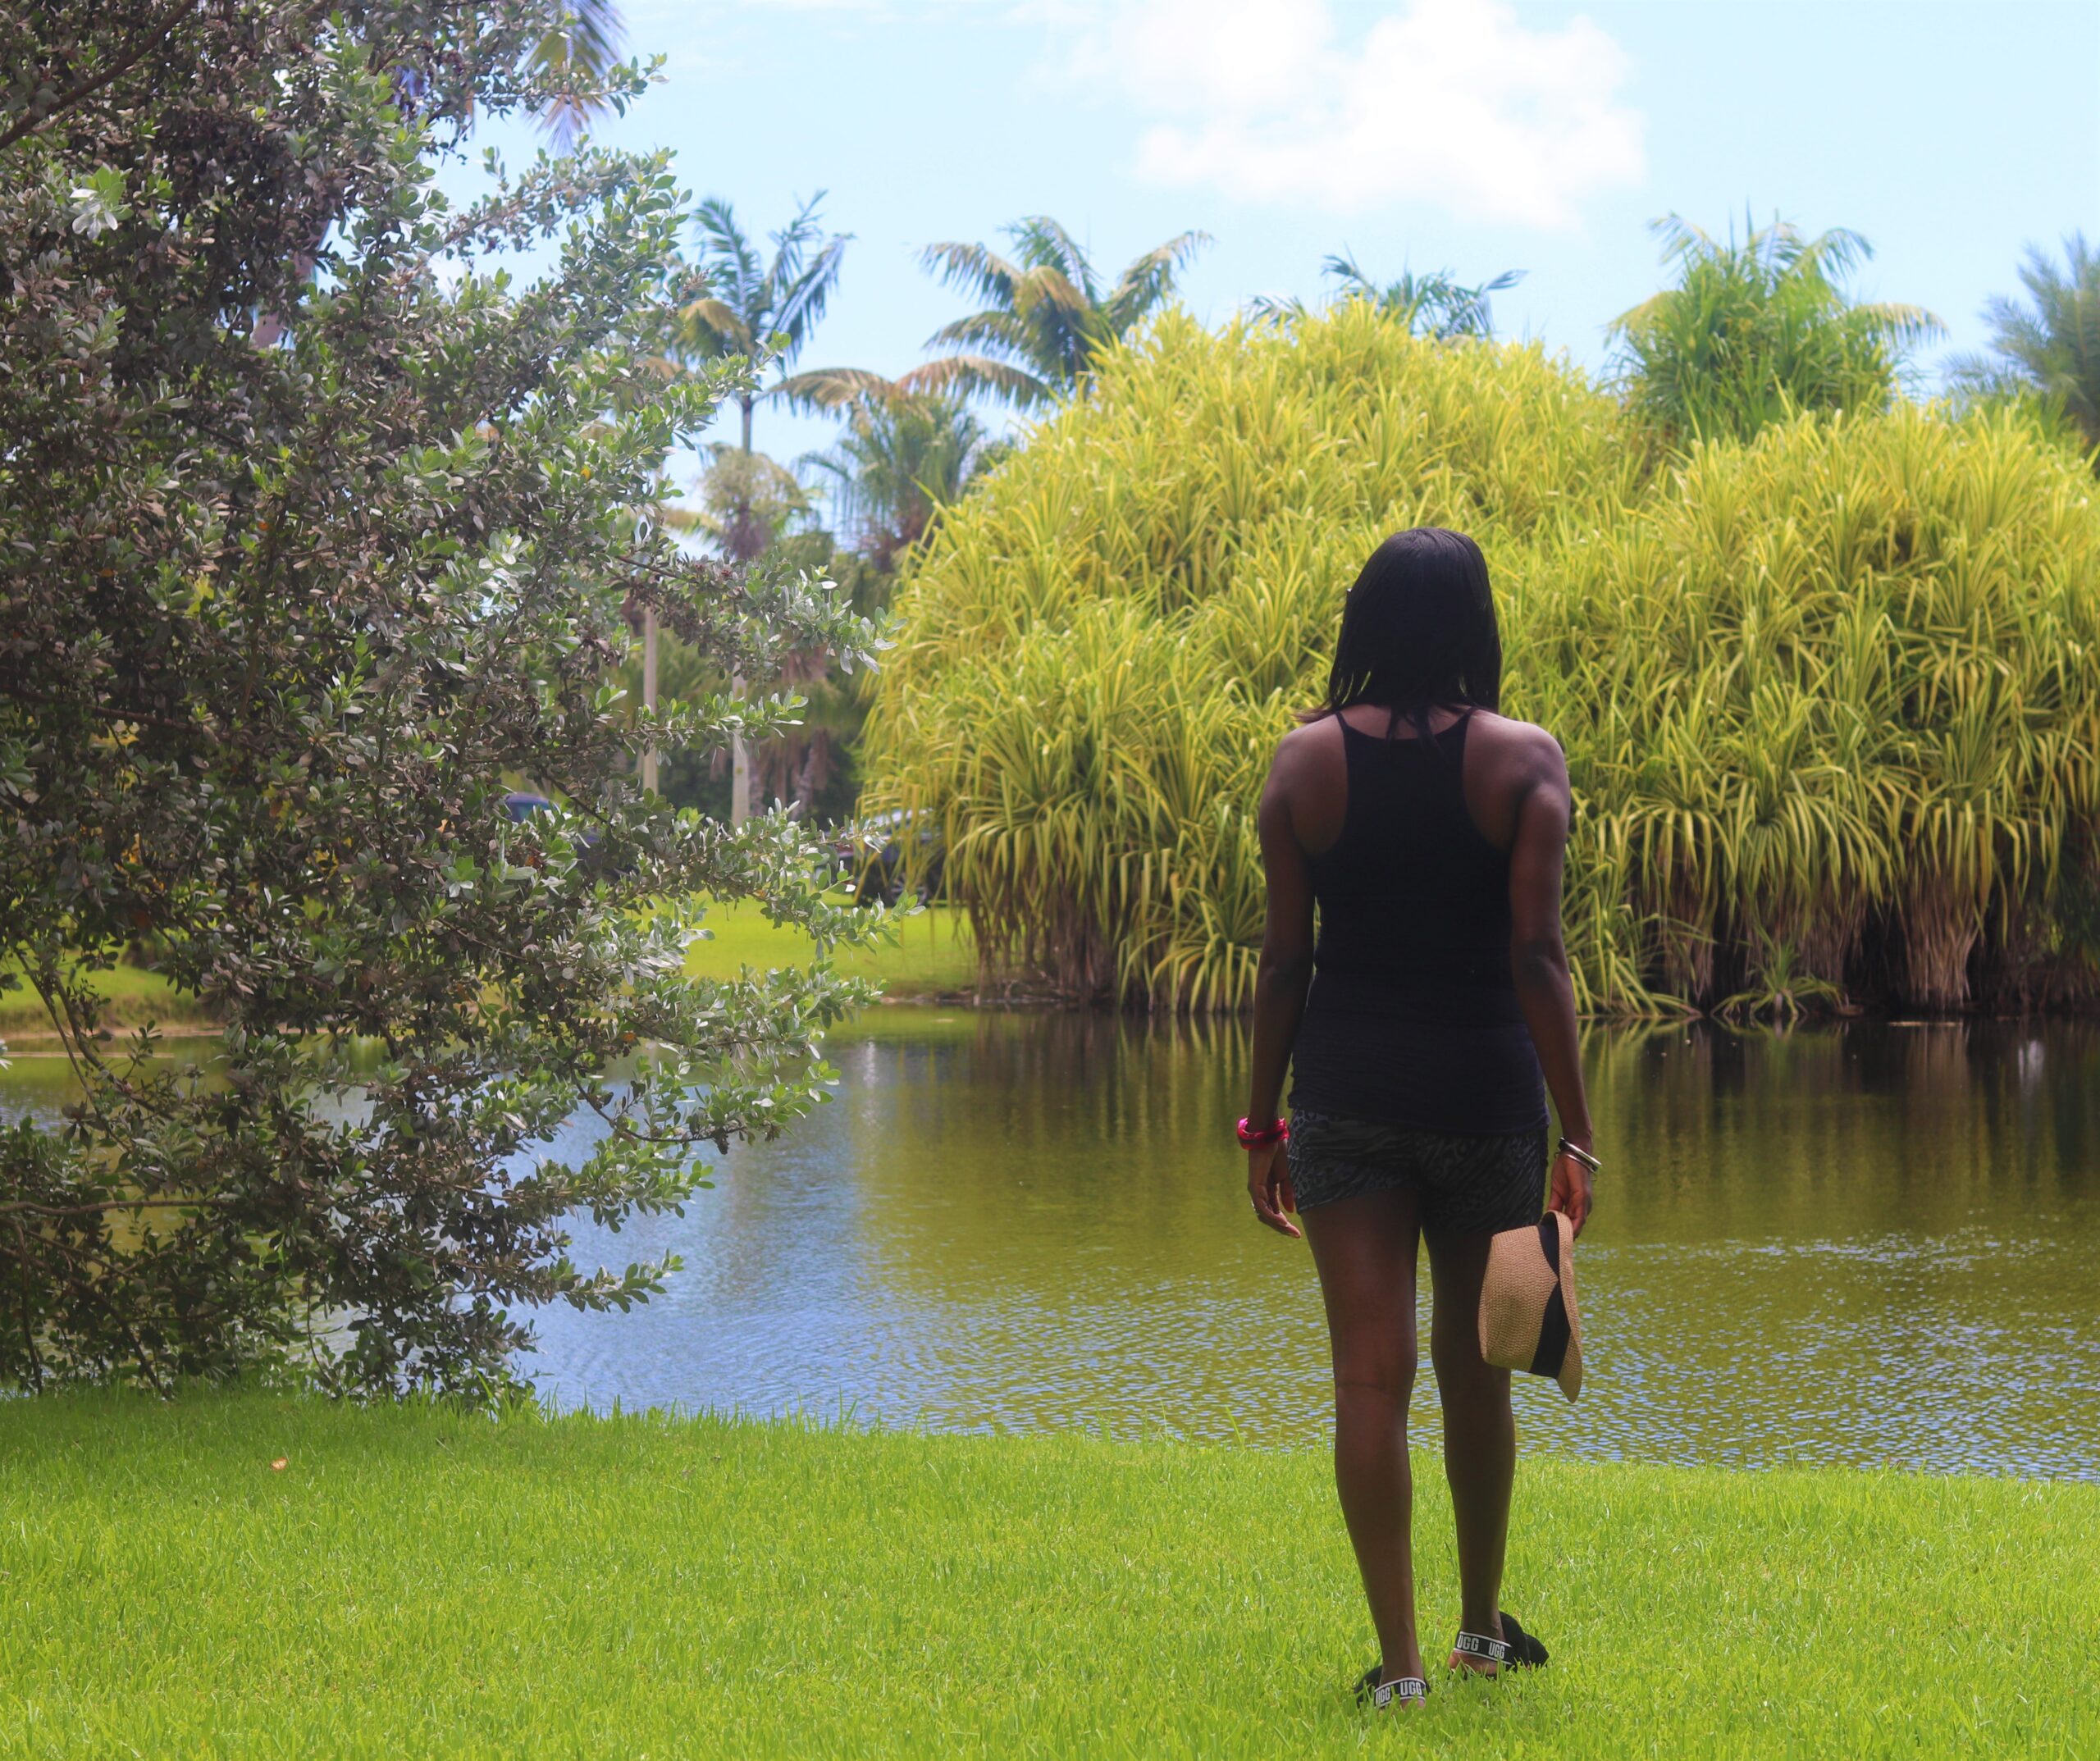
(1878, 1244)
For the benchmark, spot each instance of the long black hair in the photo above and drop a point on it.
(1418, 631)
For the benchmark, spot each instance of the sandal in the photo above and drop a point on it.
(1515, 1649)
(1381, 1695)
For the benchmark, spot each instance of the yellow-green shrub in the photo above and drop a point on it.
(1831, 700)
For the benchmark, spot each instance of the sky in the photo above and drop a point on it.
(1472, 135)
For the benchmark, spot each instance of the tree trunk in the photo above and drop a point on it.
(740, 766)
(740, 759)
(649, 696)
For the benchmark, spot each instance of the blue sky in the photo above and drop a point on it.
(1470, 135)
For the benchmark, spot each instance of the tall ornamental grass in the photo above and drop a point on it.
(1830, 699)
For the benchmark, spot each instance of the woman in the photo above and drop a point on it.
(1430, 831)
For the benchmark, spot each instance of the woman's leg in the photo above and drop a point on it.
(1479, 1434)
(1365, 1249)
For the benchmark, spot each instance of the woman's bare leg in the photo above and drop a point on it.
(1480, 1433)
(1365, 1250)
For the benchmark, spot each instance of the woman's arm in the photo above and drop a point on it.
(1538, 960)
(1280, 986)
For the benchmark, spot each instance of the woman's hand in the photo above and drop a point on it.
(1268, 1184)
(1571, 1190)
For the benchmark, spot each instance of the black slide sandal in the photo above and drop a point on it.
(1380, 1696)
(1515, 1649)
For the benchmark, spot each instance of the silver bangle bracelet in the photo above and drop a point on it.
(1576, 1152)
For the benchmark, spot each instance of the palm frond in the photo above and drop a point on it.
(965, 374)
(1001, 333)
(1277, 309)
(1343, 266)
(1832, 257)
(1681, 238)
(2053, 342)
(1149, 282)
(584, 46)
(1903, 327)
(1044, 243)
(831, 388)
(801, 231)
(972, 269)
(716, 327)
(726, 246)
(802, 306)
(1048, 286)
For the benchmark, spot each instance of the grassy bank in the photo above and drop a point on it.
(134, 997)
(421, 1582)
(934, 954)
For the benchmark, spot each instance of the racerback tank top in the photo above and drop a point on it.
(1412, 1017)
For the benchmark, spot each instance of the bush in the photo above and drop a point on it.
(1831, 703)
(1829, 698)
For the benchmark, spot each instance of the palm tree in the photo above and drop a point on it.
(1045, 317)
(747, 500)
(586, 45)
(2052, 345)
(759, 310)
(1437, 305)
(1753, 332)
(904, 456)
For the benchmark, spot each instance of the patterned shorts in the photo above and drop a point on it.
(1463, 1183)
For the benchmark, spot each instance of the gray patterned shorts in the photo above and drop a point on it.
(1463, 1184)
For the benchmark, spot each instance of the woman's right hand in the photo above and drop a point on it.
(1268, 1185)
(1571, 1190)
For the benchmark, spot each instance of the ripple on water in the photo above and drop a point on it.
(1869, 1246)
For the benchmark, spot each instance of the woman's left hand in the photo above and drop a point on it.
(1268, 1184)
(1570, 1191)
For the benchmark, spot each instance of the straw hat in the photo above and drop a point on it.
(1527, 1316)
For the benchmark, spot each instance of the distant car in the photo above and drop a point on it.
(871, 859)
(521, 804)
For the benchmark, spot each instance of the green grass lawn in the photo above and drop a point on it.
(934, 954)
(134, 996)
(423, 1582)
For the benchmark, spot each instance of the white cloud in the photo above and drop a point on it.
(1453, 102)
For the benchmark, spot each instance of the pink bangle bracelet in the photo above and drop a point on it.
(1278, 1133)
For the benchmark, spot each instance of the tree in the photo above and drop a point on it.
(1045, 319)
(746, 501)
(1436, 305)
(281, 625)
(759, 310)
(1753, 332)
(2050, 346)
(902, 457)
(756, 311)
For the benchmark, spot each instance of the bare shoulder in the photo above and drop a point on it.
(1524, 748)
(1310, 744)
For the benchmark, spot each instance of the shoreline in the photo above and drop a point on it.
(47, 1040)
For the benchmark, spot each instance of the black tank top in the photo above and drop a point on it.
(1412, 1017)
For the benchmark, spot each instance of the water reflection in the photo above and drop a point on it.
(1872, 1245)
